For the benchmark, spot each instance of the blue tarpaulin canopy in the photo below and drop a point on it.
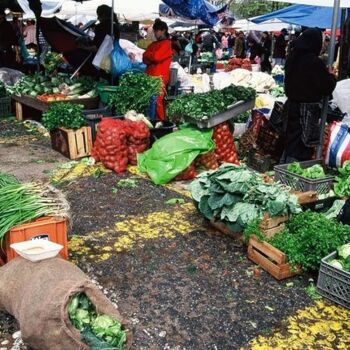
(302, 15)
(196, 10)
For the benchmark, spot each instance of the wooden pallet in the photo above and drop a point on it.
(270, 259)
(71, 143)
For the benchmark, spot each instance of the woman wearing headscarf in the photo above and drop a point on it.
(158, 58)
(307, 81)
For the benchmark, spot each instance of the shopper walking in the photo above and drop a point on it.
(240, 47)
(157, 57)
(307, 81)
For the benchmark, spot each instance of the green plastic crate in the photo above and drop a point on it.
(5, 106)
(105, 91)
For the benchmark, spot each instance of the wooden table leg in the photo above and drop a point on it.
(19, 111)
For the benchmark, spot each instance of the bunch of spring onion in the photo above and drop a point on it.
(20, 203)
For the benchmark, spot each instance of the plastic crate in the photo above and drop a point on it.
(105, 91)
(320, 205)
(333, 283)
(51, 228)
(300, 183)
(259, 162)
(5, 106)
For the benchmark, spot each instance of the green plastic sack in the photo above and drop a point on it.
(173, 153)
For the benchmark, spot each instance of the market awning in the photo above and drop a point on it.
(302, 15)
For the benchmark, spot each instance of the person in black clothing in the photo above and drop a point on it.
(307, 81)
(279, 52)
(9, 47)
(255, 50)
(266, 44)
(104, 13)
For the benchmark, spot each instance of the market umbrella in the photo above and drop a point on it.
(337, 4)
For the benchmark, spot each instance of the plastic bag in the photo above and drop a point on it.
(189, 48)
(341, 95)
(338, 150)
(121, 62)
(104, 51)
(173, 153)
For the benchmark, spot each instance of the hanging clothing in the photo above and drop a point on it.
(307, 81)
(158, 57)
(29, 34)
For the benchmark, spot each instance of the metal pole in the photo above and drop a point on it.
(331, 49)
(112, 34)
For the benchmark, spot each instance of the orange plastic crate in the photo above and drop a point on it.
(51, 228)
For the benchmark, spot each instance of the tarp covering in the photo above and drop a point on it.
(302, 15)
(196, 9)
(49, 7)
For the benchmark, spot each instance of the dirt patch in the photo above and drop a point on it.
(26, 154)
(96, 203)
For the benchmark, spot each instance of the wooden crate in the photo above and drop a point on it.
(306, 197)
(71, 143)
(220, 226)
(270, 226)
(270, 259)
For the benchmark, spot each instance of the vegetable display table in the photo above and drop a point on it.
(230, 113)
(35, 107)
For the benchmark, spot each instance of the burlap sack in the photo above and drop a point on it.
(37, 295)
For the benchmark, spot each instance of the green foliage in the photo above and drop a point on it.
(237, 196)
(99, 331)
(134, 93)
(63, 115)
(342, 182)
(243, 117)
(51, 61)
(199, 106)
(309, 237)
(252, 8)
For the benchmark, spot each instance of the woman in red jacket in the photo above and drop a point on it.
(157, 57)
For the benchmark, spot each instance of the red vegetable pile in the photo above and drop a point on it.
(138, 139)
(118, 142)
(235, 63)
(225, 149)
(209, 161)
(188, 174)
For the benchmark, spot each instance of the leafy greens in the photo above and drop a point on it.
(238, 196)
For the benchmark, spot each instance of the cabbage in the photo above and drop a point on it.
(337, 264)
(344, 251)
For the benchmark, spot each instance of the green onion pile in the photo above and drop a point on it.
(20, 203)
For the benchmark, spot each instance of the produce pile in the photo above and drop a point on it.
(307, 239)
(235, 63)
(100, 332)
(243, 117)
(134, 92)
(238, 196)
(314, 172)
(225, 149)
(20, 203)
(119, 141)
(63, 115)
(206, 105)
(60, 85)
(342, 182)
(52, 61)
(343, 261)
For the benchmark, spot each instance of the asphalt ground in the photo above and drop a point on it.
(180, 282)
